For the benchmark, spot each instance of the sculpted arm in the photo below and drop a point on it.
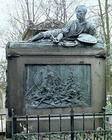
(92, 30)
(64, 31)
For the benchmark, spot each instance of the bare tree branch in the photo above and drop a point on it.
(101, 15)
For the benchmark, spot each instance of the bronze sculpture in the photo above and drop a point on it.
(72, 29)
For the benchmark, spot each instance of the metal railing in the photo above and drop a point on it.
(85, 126)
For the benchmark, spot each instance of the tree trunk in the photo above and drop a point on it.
(28, 11)
(106, 32)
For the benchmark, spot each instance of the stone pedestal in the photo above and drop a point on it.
(44, 79)
(48, 79)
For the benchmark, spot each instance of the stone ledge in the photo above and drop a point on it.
(51, 45)
(16, 49)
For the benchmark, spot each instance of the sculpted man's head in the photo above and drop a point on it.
(81, 11)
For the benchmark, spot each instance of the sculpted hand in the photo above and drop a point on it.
(55, 40)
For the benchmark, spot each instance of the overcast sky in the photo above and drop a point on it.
(5, 7)
(8, 5)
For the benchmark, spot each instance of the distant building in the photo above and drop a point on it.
(48, 24)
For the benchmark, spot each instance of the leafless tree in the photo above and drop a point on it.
(29, 12)
(3, 66)
(105, 11)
